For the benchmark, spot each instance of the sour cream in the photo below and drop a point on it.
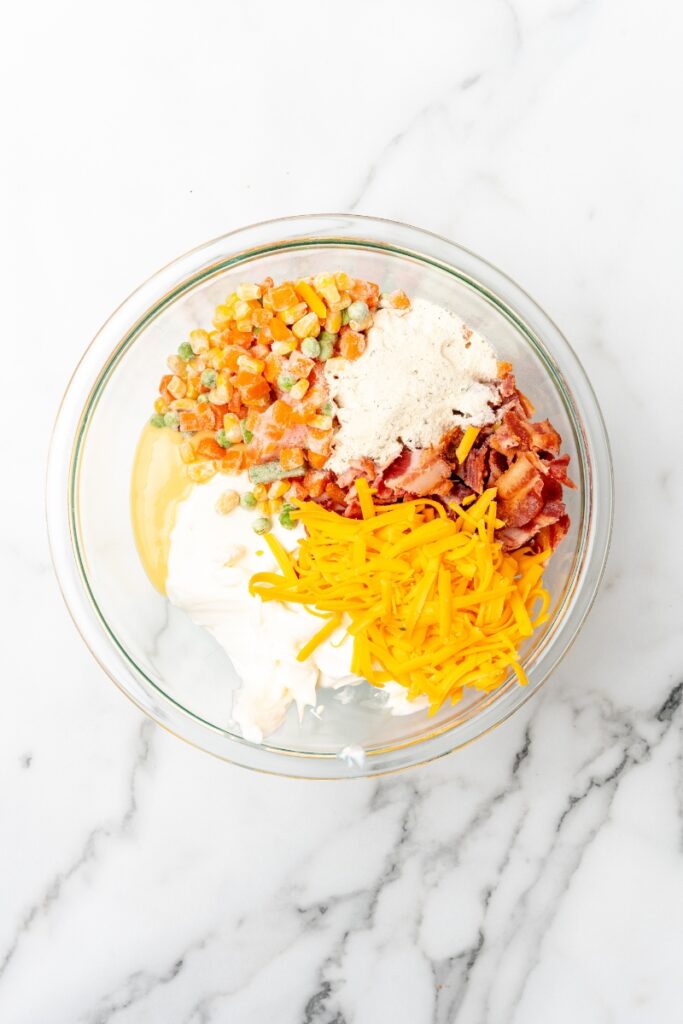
(211, 559)
(203, 561)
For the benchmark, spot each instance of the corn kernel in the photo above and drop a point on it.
(192, 387)
(325, 286)
(343, 281)
(276, 506)
(321, 422)
(177, 365)
(182, 405)
(232, 428)
(160, 406)
(294, 313)
(260, 492)
(299, 389)
(177, 387)
(226, 502)
(345, 300)
(242, 310)
(283, 348)
(215, 358)
(200, 472)
(250, 364)
(187, 452)
(222, 317)
(197, 365)
(278, 488)
(333, 322)
(244, 326)
(263, 508)
(335, 365)
(219, 396)
(307, 326)
(199, 340)
(248, 291)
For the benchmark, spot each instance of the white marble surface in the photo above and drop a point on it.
(535, 877)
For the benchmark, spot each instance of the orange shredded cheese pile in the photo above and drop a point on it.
(431, 602)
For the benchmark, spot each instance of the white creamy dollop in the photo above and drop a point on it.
(211, 560)
(423, 373)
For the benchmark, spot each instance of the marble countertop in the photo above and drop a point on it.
(536, 876)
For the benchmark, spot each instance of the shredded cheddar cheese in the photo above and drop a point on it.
(466, 442)
(429, 601)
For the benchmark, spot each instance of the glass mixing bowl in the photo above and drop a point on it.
(172, 669)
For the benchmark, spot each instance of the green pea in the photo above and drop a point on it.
(310, 347)
(209, 378)
(262, 525)
(285, 382)
(171, 419)
(358, 311)
(202, 399)
(345, 316)
(286, 520)
(222, 439)
(327, 409)
(185, 351)
(327, 342)
(247, 435)
(158, 421)
(248, 500)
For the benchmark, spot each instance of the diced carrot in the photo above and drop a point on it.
(233, 459)
(210, 449)
(252, 419)
(236, 405)
(399, 300)
(299, 365)
(243, 338)
(188, 421)
(297, 490)
(260, 316)
(273, 367)
(291, 458)
(365, 291)
(352, 344)
(335, 493)
(256, 393)
(244, 378)
(320, 441)
(281, 413)
(163, 388)
(283, 297)
(279, 330)
(232, 354)
(316, 460)
(314, 482)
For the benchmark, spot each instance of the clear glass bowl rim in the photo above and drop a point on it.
(124, 325)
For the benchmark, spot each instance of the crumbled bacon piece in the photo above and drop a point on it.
(517, 456)
(418, 472)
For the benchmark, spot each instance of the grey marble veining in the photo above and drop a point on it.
(537, 876)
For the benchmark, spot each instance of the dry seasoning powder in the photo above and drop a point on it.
(423, 373)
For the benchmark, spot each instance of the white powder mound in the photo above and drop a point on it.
(423, 373)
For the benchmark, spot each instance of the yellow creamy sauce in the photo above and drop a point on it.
(158, 485)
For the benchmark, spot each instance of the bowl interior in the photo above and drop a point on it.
(167, 652)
